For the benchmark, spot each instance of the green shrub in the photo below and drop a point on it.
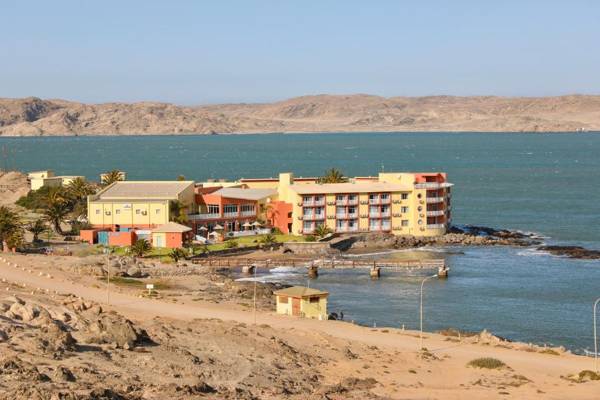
(310, 238)
(231, 244)
(486, 362)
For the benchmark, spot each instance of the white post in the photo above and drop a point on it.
(255, 268)
(421, 310)
(595, 337)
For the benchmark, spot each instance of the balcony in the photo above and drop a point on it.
(232, 214)
(346, 216)
(313, 203)
(346, 202)
(248, 213)
(344, 230)
(436, 213)
(436, 226)
(204, 216)
(380, 215)
(434, 200)
(432, 185)
(311, 217)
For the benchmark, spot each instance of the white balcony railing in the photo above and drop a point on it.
(310, 217)
(435, 199)
(346, 216)
(248, 213)
(436, 213)
(432, 185)
(232, 214)
(204, 216)
(436, 226)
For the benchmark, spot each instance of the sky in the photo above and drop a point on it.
(201, 52)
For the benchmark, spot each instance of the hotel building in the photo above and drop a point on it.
(400, 203)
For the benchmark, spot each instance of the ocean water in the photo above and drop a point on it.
(543, 183)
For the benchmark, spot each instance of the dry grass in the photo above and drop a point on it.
(487, 363)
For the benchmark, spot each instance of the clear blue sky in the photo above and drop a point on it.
(196, 52)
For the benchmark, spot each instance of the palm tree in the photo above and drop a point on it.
(177, 254)
(79, 189)
(141, 247)
(333, 176)
(10, 227)
(177, 212)
(180, 177)
(56, 213)
(111, 177)
(37, 227)
(322, 230)
(269, 239)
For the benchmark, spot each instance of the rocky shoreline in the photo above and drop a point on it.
(464, 236)
(572, 252)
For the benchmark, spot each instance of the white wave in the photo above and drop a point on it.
(532, 252)
(268, 278)
(278, 270)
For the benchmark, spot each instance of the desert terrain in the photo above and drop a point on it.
(321, 113)
(197, 336)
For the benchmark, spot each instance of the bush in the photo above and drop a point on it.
(276, 231)
(310, 238)
(231, 244)
(36, 199)
(486, 362)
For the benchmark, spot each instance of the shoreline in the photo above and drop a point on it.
(315, 132)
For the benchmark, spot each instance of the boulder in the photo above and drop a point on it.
(111, 328)
(63, 374)
(14, 299)
(135, 272)
(3, 336)
(57, 338)
(24, 312)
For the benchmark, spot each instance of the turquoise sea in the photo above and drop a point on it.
(543, 183)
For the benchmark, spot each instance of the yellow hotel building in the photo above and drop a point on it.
(396, 202)
(140, 204)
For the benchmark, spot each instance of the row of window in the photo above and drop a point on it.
(352, 225)
(230, 208)
(137, 211)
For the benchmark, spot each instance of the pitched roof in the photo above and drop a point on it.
(350, 188)
(171, 227)
(144, 189)
(245, 194)
(300, 291)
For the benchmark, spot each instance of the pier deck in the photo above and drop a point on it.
(231, 262)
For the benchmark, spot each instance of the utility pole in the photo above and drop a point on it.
(255, 268)
(595, 337)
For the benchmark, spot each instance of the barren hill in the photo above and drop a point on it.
(322, 113)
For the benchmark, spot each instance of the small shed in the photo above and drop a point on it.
(171, 235)
(302, 302)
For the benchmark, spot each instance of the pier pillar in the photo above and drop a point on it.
(248, 269)
(442, 272)
(375, 272)
(313, 271)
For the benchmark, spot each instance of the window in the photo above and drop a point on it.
(339, 197)
(97, 211)
(373, 224)
(404, 209)
(318, 198)
(404, 222)
(385, 224)
(351, 223)
(373, 210)
(117, 211)
(404, 196)
(138, 211)
(230, 226)
(351, 197)
(247, 207)
(230, 208)
(314, 299)
(340, 211)
(307, 199)
(372, 197)
(319, 211)
(212, 208)
(385, 209)
(351, 210)
(307, 226)
(157, 211)
(283, 299)
(308, 211)
(385, 196)
(339, 224)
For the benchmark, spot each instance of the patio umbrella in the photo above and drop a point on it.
(203, 228)
(217, 227)
(256, 223)
(246, 225)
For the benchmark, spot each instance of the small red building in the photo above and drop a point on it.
(171, 235)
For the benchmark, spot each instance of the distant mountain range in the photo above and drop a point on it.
(321, 113)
